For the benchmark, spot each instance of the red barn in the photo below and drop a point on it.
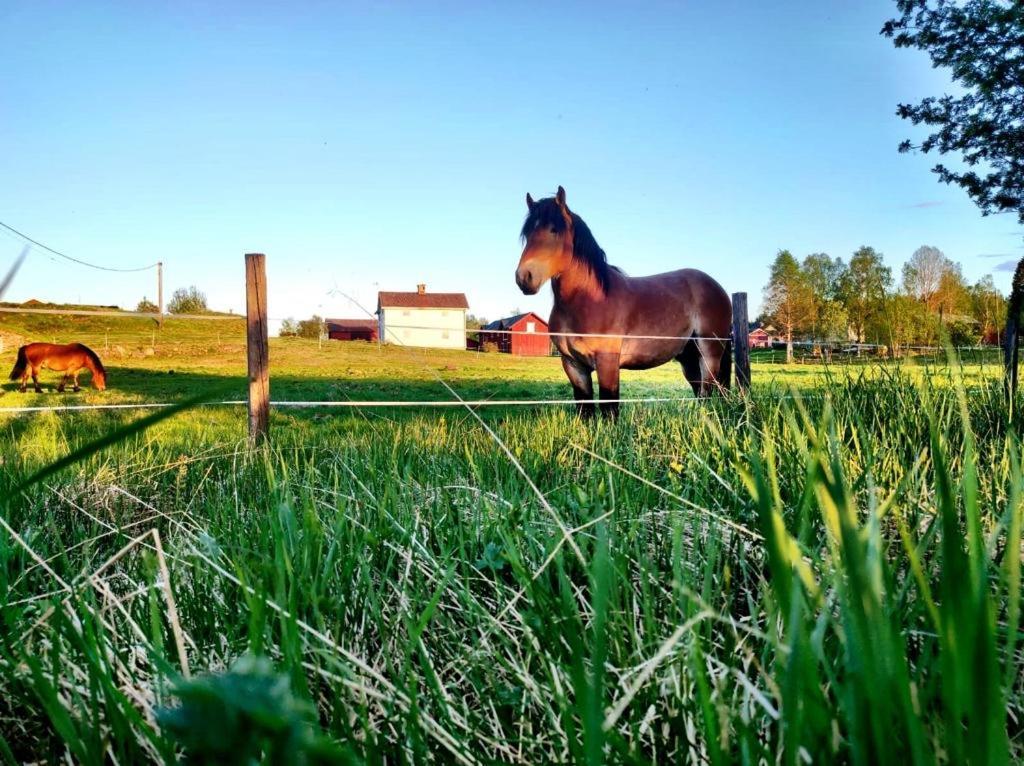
(352, 329)
(526, 344)
(759, 338)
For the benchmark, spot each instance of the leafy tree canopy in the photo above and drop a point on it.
(981, 42)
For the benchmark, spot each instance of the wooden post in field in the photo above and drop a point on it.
(257, 345)
(741, 340)
(160, 293)
(1010, 352)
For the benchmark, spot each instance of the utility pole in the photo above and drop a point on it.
(160, 293)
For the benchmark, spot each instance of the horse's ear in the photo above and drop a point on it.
(529, 201)
(560, 197)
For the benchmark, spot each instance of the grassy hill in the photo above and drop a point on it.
(186, 356)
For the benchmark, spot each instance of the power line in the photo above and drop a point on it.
(68, 257)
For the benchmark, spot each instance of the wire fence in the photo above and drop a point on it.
(805, 352)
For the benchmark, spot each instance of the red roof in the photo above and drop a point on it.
(350, 325)
(509, 322)
(422, 301)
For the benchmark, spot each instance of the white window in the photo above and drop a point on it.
(444, 334)
(444, 313)
(406, 313)
(531, 327)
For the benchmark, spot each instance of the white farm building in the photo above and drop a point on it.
(431, 320)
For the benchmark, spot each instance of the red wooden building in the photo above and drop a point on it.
(759, 338)
(522, 337)
(352, 329)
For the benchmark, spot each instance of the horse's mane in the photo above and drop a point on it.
(545, 213)
(95, 359)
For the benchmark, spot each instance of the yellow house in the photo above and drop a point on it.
(426, 320)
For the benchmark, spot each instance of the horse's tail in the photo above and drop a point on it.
(725, 368)
(20, 365)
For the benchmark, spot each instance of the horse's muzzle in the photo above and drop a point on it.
(525, 283)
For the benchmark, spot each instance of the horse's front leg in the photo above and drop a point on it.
(608, 383)
(35, 380)
(74, 381)
(582, 386)
(63, 382)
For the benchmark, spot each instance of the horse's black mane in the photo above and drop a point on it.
(94, 357)
(545, 213)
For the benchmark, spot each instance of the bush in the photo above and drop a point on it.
(289, 328)
(146, 306)
(310, 328)
(490, 347)
(962, 334)
(187, 300)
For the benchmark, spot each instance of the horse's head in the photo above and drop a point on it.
(548, 233)
(99, 379)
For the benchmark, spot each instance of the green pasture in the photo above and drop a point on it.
(827, 571)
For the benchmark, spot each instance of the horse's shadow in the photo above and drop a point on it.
(127, 385)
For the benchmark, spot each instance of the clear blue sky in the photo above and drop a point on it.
(370, 145)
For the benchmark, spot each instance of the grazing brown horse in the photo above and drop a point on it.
(69, 359)
(685, 315)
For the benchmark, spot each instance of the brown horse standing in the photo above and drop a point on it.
(687, 311)
(69, 359)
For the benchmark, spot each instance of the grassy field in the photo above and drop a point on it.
(828, 577)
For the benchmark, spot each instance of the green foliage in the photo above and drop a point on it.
(831, 577)
(824, 275)
(863, 290)
(146, 306)
(247, 715)
(187, 300)
(789, 299)
(979, 42)
(289, 328)
(311, 328)
(962, 333)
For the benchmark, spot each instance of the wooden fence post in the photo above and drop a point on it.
(1010, 351)
(741, 340)
(257, 345)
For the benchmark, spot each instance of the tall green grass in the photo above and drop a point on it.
(417, 603)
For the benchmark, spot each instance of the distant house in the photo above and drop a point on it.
(351, 329)
(427, 320)
(509, 341)
(759, 338)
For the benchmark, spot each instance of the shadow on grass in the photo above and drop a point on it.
(131, 385)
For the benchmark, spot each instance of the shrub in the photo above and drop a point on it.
(187, 300)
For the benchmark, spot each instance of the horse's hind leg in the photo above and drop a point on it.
(35, 380)
(711, 353)
(63, 381)
(690, 361)
(74, 381)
